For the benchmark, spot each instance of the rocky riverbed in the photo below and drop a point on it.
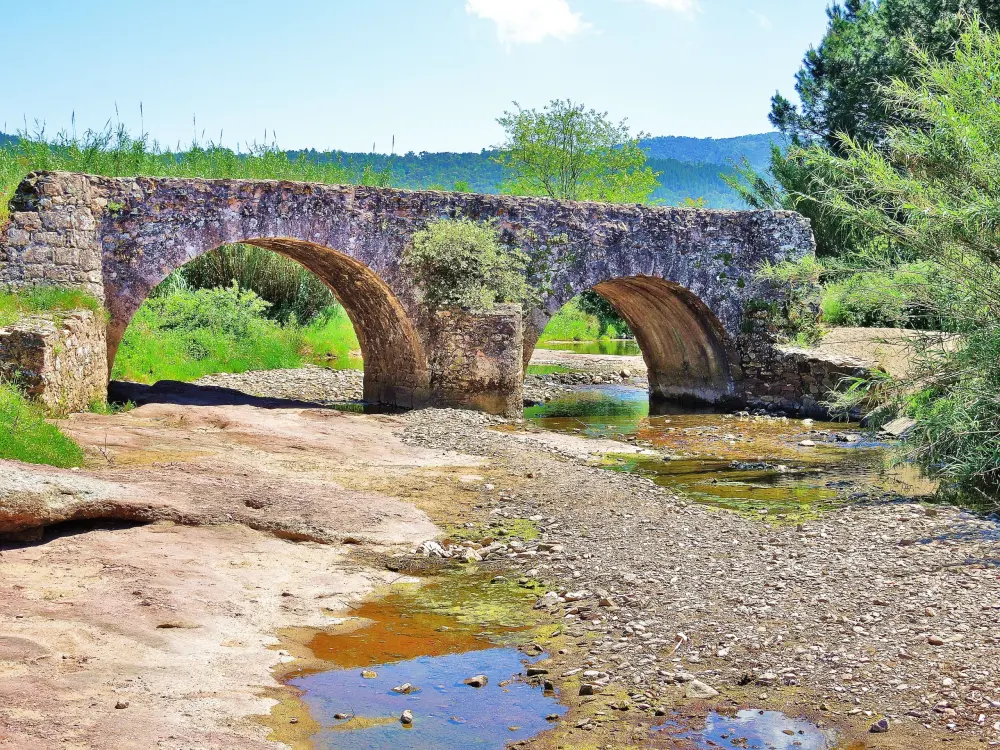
(270, 513)
(874, 611)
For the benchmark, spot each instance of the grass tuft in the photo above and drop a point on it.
(15, 305)
(26, 436)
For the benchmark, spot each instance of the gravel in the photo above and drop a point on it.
(883, 610)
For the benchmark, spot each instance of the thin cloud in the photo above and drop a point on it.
(530, 21)
(683, 7)
(763, 21)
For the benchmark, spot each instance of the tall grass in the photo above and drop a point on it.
(114, 152)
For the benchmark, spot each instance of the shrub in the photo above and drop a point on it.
(571, 323)
(288, 286)
(892, 298)
(461, 263)
(186, 334)
(797, 283)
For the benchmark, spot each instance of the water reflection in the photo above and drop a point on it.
(446, 712)
(616, 347)
(757, 730)
(760, 465)
(432, 638)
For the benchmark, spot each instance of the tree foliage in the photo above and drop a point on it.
(462, 263)
(865, 45)
(933, 187)
(567, 151)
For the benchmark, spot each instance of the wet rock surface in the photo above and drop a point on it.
(882, 610)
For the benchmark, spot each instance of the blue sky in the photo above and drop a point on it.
(433, 73)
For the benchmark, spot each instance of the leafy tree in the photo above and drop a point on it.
(607, 317)
(567, 151)
(866, 45)
(933, 187)
(462, 263)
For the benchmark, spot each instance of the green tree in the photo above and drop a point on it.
(607, 316)
(866, 45)
(567, 151)
(933, 186)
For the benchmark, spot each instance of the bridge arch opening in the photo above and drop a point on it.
(688, 355)
(395, 370)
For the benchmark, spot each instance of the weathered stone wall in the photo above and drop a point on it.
(476, 360)
(52, 238)
(683, 277)
(799, 381)
(59, 360)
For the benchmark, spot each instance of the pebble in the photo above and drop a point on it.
(699, 689)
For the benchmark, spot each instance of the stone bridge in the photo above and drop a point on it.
(682, 278)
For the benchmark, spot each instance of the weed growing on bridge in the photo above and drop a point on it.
(15, 305)
(26, 436)
(462, 263)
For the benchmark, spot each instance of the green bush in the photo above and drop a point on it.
(184, 334)
(571, 323)
(26, 436)
(892, 298)
(461, 263)
(796, 314)
(288, 286)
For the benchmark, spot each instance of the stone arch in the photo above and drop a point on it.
(395, 362)
(689, 355)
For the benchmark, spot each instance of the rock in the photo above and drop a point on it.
(588, 688)
(404, 689)
(477, 681)
(935, 640)
(535, 671)
(548, 600)
(808, 444)
(406, 717)
(767, 678)
(879, 727)
(121, 704)
(469, 555)
(898, 428)
(341, 717)
(369, 674)
(552, 717)
(699, 689)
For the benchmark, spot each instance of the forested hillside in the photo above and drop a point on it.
(688, 167)
(756, 148)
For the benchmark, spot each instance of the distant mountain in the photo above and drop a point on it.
(688, 167)
(756, 148)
